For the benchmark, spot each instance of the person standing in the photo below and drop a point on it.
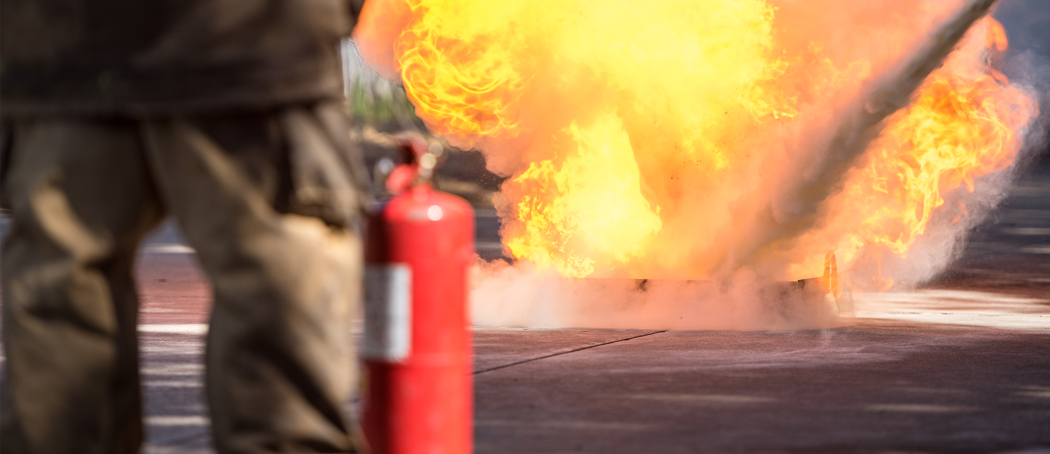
(226, 115)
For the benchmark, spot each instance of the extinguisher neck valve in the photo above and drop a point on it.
(419, 160)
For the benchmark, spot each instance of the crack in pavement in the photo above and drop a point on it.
(566, 352)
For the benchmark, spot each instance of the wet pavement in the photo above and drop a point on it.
(961, 365)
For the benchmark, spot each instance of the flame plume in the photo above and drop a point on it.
(684, 139)
(966, 121)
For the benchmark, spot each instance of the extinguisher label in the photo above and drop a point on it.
(388, 312)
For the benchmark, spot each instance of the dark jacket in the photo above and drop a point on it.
(143, 57)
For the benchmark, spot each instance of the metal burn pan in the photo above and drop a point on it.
(788, 295)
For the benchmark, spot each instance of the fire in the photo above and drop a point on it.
(597, 190)
(960, 127)
(653, 141)
(963, 124)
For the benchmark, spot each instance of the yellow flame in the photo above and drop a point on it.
(478, 82)
(589, 208)
(649, 139)
(590, 75)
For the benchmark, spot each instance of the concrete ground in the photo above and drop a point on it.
(962, 365)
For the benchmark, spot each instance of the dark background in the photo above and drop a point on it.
(1027, 61)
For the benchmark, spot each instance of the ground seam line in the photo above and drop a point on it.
(565, 352)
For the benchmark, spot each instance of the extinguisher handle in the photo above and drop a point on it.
(412, 147)
(418, 161)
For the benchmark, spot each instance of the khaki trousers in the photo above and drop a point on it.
(268, 204)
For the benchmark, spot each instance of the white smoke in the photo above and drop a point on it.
(518, 295)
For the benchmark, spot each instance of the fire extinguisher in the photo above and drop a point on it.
(417, 343)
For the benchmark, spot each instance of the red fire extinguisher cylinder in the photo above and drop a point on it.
(417, 346)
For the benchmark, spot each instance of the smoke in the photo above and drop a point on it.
(711, 147)
(820, 215)
(969, 204)
(1027, 63)
(520, 295)
(797, 208)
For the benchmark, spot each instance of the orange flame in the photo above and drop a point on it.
(961, 126)
(652, 141)
(964, 123)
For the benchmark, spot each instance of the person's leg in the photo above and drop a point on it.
(80, 200)
(280, 351)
